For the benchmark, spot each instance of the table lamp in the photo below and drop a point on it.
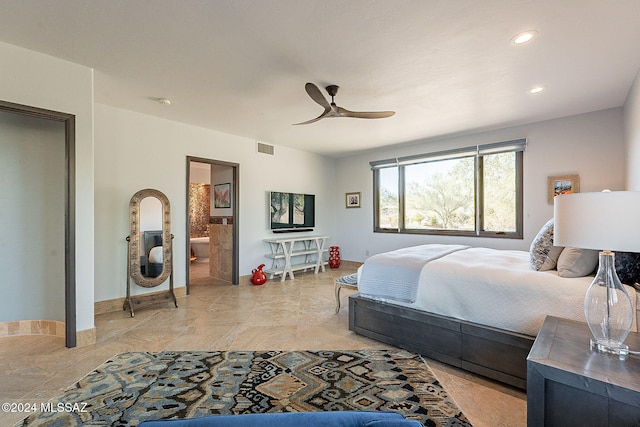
(607, 221)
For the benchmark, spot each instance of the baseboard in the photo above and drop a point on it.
(245, 280)
(32, 327)
(108, 306)
(85, 337)
(351, 264)
(344, 264)
(111, 305)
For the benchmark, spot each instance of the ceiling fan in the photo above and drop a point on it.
(332, 110)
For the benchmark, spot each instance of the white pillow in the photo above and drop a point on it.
(155, 255)
(574, 262)
(543, 254)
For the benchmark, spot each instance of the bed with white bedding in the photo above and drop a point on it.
(475, 308)
(154, 251)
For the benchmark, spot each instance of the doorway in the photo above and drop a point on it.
(59, 268)
(212, 221)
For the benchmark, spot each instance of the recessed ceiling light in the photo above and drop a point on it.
(536, 89)
(523, 37)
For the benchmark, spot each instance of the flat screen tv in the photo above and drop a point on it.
(292, 211)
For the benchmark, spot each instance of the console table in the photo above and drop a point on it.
(289, 254)
(570, 385)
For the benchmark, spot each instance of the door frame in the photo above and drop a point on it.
(69, 121)
(235, 277)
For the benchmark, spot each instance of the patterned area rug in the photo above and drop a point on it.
(133, 387)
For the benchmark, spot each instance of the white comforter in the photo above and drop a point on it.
(498, 288)
(396, 274)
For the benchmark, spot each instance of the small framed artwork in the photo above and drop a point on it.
(352, 200)
(562, 184)
(222, 195)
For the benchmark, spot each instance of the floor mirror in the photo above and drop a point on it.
(150, 249)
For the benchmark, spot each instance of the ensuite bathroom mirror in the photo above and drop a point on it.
(150, 239)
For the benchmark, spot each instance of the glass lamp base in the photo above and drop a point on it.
(608, 309)
(611, 347)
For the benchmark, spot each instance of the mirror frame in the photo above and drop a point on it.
(135, 237)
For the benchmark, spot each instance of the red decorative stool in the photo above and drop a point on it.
(334, 256)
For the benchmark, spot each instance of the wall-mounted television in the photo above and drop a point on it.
(291, 212)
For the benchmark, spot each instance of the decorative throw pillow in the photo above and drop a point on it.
(544, 256)
(574, 262)
(628, 267)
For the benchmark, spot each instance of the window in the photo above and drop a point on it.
(475, 191)
(387, 194)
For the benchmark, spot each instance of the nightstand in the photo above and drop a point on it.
(570, 385)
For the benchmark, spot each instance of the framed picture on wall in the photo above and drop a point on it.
(222, 195)
(352, 200)
(562, 184)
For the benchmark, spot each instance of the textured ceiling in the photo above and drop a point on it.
(240, 66)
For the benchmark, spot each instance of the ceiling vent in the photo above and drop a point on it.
(265, 148)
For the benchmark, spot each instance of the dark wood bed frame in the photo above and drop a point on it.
(494, 353)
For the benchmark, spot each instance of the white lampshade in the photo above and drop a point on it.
(607, 220)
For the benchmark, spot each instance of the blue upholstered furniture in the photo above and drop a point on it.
(294, 419)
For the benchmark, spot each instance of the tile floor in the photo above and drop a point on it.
(292, 315)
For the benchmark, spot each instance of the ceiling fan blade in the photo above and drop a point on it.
(365, 114)
(326, 111)
(316, 95)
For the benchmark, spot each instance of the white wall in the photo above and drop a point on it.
(38, 80)
(150, 214)
(591, 145)
(632, 135)
(32, 209)
(138, 151)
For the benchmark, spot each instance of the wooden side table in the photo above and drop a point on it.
(309, 254)
(568, 384)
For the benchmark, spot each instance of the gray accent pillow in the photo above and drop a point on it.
(574, 262)
(543, 254)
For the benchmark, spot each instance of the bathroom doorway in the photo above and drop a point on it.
(212, 212)
(38, 189)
